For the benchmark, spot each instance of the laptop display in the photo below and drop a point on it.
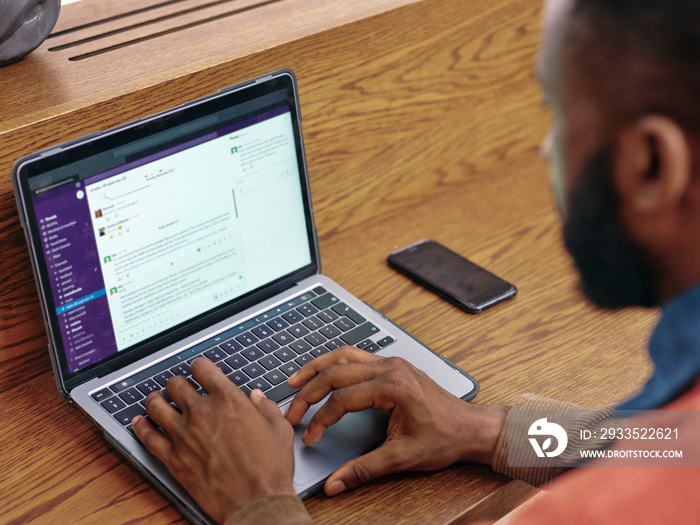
(180, 222)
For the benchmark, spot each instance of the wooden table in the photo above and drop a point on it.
(422, 119)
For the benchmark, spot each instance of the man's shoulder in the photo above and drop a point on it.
(606, 493)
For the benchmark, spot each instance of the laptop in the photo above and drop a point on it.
(188, 233)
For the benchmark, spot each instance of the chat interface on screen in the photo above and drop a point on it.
(173, 238)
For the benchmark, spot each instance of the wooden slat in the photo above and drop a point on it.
(130, 18)
(151, 62)
(95, 14)
(195, 21)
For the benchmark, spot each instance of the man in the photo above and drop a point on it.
(622, 79)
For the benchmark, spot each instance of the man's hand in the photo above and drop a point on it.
(429, 428)
(224, 449)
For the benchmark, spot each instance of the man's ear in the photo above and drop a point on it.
(652, 165)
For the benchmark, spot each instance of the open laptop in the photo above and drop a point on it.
(190, 233)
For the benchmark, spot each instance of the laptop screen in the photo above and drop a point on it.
(153, 233)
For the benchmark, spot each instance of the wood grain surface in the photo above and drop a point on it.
(422, 121)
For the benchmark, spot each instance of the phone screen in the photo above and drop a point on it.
(451, 276)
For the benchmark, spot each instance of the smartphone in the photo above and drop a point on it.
(451, 276)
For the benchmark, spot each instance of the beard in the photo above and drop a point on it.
(614, 272)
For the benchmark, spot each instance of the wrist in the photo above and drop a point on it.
(275, 508)
(483, 425)
(260, 497)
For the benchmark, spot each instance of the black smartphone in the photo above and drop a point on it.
(451, 276)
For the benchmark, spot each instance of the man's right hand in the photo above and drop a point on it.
(429, 428)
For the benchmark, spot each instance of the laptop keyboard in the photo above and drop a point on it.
(259, 353)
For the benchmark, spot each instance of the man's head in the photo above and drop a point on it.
(622, 78)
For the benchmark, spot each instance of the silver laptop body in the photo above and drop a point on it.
(188, 233)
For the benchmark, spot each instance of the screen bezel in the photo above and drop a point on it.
(33, 165)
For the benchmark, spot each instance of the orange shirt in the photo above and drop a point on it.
(627, 495)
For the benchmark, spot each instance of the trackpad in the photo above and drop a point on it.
(350, 437)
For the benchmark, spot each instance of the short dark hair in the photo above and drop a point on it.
(637, 57)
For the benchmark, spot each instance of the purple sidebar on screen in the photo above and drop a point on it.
(72, 259)
(76, 279)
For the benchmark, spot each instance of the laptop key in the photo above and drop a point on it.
(113, 404)
(343, 309)
(344, 324)
(278, 324)
(330, 331)
(303, 359)
(130, 396)
(319, 350)
(270, 362)
(102, 394)
(314, 339)
(165, 395)
(358, 334)
(386, 341)
(300, 346)
(275, 377)
(289, 368)
(283, 338)
(292, 316)
(236, 361)
(252, 353)
(325, 301)
(312, 323)
(267, 346)
(328, 316)
(162, 378)
(335, 343)
(298, 330)
(148, 386)
(238, 378)
(320, 290)
(231, 346)
(182, 369)
(280, 392)
(285, 354)
(246, 339)
(262, 331)
(307, 310)
(254, 370)
(129, 413)
(363, 344)
(224, 367)
(373, 347)
(215, 354)
(259, 383)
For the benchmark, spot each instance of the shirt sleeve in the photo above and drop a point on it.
(573, 418)
(280, 509)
